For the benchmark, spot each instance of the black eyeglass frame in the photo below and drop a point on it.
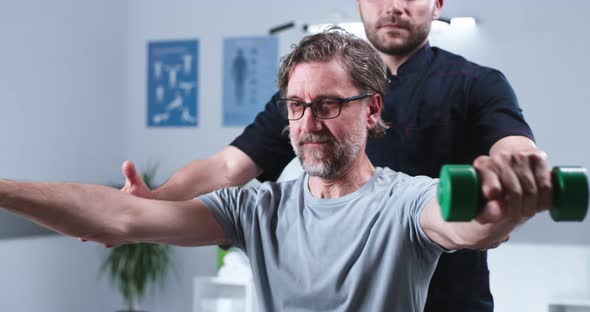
(340, 101)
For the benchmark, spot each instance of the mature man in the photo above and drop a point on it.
(441, 109)
(345, 236)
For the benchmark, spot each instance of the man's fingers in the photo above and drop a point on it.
(522, 167)
(518, 182)
(543, 181)
(491, 187)
(512, 190)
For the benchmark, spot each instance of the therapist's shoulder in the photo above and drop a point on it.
(446, 60)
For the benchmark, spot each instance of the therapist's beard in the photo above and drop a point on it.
(331, 158)
(417, 34)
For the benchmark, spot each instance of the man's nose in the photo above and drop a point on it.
(309, 122)
(395, 7)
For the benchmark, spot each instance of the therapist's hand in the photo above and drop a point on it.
(134, 183)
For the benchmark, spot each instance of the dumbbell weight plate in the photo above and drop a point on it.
(570, 193)
(458, 188)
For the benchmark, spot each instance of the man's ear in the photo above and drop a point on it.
(438, 4)
(375, 105)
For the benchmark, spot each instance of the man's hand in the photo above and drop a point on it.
(515, 186)
(134, 183)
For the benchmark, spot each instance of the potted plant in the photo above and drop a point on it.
(134, 267)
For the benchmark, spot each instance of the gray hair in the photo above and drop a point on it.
(367, 70)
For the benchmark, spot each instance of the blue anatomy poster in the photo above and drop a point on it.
(249, 77)
(172, 83)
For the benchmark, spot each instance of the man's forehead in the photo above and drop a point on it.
(328, 79)
(330, 64)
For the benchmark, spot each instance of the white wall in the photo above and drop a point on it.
(62, 93)
(62, 117)
(53, 274)
(63, 87)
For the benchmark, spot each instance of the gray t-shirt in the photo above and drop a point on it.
(364, 251)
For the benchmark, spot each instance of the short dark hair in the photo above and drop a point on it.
(358, 57)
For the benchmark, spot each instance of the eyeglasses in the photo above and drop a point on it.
(322, 108)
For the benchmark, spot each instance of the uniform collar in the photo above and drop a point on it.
(417, 62)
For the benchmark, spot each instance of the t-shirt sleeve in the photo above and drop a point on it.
(234, 209)
(495, 111)
(421, 190)
(265, 143)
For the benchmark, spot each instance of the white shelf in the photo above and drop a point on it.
(212, 294)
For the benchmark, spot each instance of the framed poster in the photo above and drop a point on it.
(249, 77)
(172, 84)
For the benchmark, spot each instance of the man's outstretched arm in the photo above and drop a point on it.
(111, 217)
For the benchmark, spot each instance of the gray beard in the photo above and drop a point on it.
(332, 161)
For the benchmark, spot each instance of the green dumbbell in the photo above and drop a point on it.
(460, 199)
